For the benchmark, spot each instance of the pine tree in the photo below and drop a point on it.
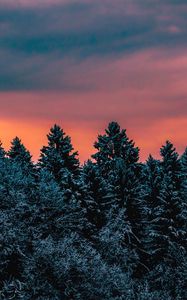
(173, 178)
(114, 144)
(19, 153)
(167, 227)
(171, 164)
(20, 157)
(117, 160)
(184, 160)
(184, 179)
(62, 214)
(59, 160)
(173, 192)
(129, 198)
(58, 157)
(152, 176)
(184, 172)
(98, 196)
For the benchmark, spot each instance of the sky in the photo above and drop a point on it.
(84, 63)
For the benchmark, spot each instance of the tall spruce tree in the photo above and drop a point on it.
(98, 197)
(167, 227)
(171, 164)
(58, 157)
(114, 144)
(117, 159)
(184, 160)
(20, 157)
(184, 171)
(184, 177)
(19, 153)
(153, 177)
(59, 160)
(174, 180)
(129, 198)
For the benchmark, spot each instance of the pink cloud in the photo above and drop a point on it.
(28, 3)
(145, 92)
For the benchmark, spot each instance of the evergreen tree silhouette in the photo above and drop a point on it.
(117, 159)
(153, 176)
(114, 144)
(168, 213)
(184, 179)
(184, 168)
(19, 153)
(98, 198)
(59, 160)
(58, 157)
(111, 229)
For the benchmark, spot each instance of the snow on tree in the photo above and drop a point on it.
(114, 144)
(98, 197)
(112, 229)
(153, 176)
(184, 173)
(166, 228)
(58, 157)
(19, 153)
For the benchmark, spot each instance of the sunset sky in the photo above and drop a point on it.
(83, 63)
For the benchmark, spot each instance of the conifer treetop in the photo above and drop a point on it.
(58, 155)
(115, 144)
(184, 159)
(19, 152)
(170, 159)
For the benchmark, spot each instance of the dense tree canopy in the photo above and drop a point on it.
(111, 229)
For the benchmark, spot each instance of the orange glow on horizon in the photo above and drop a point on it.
(33, 136)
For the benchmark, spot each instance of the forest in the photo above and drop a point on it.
(113, 228)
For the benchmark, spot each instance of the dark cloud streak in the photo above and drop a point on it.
(31, 36)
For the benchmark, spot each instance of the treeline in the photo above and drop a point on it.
(112, 229)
